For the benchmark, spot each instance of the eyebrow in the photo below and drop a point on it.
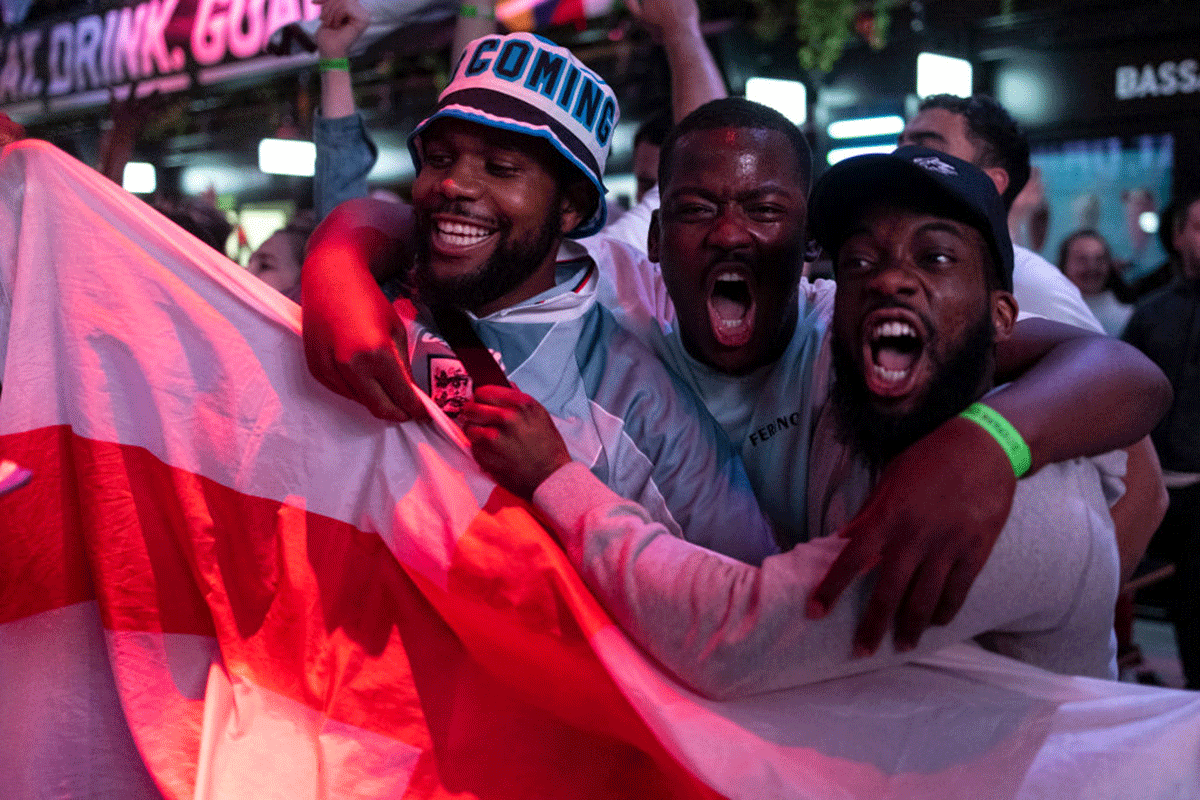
(749, 194)
(946, 226)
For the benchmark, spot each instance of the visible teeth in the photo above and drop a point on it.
(889, 374)
(893, 328)
(731, 323)
(730, 276)
(461, 233)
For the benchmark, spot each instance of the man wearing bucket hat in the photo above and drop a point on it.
(924, 265)
(508, 166)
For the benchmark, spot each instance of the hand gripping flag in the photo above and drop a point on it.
(224, 581)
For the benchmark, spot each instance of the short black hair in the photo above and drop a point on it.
(654, 129)
(1001, 142)
(202, 220)
(737, 112)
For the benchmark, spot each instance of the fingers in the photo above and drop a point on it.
(481, 415)
(917, 609)
(891, 586)
(320, 364)
(503, 397)
(958, 583)
(395, 382)
(858, 557)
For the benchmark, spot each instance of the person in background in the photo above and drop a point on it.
(198, 217)
(1084, 257)
(1162, 274)
(978, 129)
(1029, 214)
(278, 260)
(341, 170)
(647, 144)
(1166, 327)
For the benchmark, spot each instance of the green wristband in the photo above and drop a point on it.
(470, 12)
(1003, 432)
(327, 64)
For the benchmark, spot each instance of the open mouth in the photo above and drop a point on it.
(458, 235)
(731, 308)
(892, 349)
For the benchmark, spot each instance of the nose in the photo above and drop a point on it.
(729, 230)
(459, 181)
(894, 279)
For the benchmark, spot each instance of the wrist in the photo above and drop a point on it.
(1003, 433)
(334, 63)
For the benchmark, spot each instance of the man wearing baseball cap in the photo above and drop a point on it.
(924, 266)
(509, 166)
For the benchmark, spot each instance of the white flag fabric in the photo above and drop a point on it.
(224, 581)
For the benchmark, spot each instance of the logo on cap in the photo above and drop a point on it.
(935, 164)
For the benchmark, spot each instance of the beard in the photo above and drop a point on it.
(880, 435)
(510, 265)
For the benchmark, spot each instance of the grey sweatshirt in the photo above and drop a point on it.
(728, 629)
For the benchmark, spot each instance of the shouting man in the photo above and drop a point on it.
(924, 262)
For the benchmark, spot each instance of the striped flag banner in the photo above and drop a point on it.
(224, 581)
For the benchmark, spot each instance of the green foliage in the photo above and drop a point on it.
(822, 28)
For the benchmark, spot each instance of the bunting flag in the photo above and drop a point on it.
(223, 581)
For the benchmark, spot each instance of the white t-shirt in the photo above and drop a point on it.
(1043, 291)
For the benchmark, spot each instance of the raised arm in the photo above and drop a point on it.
(345, 152)
(353, 339)
(938, 507)
(695, 76)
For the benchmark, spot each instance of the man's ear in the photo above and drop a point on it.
(575, 205)
(653, 237)
(999, 177)
(1004, 313)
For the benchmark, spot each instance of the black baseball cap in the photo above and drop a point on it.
(916, 177)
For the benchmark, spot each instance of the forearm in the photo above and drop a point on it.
(729, 629)
(360, 237)
(695, 77)
(1084, 395)
(337, 94)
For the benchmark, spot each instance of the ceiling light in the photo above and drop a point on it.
(866, 126)
(943, 75)
(789, 98)
(139, 178)
(287, 157)
(842, 153)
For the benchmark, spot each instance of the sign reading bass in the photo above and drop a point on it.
(135, 42)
